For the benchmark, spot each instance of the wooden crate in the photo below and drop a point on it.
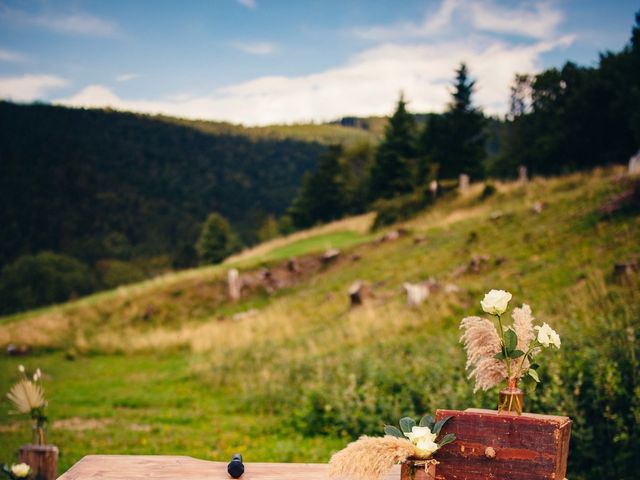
(504, 447)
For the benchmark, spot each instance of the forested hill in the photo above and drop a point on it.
(100, 184)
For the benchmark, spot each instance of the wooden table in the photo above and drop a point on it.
(133, 467)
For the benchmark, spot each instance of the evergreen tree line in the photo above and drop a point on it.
(560, 121)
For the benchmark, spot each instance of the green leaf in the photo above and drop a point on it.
(499, 356)
(427, 421)
(510, 340)
(447, 439)
(393, 431)
(516, 354)
(533, 374)
(407, 423)
(534, 366)
(438, 426)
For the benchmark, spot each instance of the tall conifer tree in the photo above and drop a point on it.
(393, 169)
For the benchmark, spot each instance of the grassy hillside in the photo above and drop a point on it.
(169, 366)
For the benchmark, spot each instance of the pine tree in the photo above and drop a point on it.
(217, 240)
(393, 169)
(321, 197)
(456, 141)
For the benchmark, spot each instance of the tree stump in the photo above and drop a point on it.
(522, 174)
(634, 164)
(235, 284)
(359, 292)
(463, 183)
(330, 255)
(43, 460)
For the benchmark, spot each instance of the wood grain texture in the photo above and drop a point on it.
(43, 460)
(150, 467)
(505, 446)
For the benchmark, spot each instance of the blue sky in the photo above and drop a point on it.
(270, 61)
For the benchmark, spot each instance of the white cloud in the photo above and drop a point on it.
(255, 48)
(368, 84)
(248, 3)
(26, 88)
(126, 77)
(11, 56)
(541, 22)
(457, 17)
(79, 23)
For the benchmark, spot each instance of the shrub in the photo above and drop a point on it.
(112, 273)
(36, 280)
(399, 208)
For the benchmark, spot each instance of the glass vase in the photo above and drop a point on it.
(38, 434)
(511, 398)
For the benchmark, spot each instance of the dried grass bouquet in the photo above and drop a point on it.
(506, 353)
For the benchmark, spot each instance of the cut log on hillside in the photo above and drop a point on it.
(626, 269)
(359, 292)
(43, 460)
(504, 446)
(330, 255)
(417, 293)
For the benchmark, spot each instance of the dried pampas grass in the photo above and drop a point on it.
(523, 326)
(482, 342)
(26, 396)
(369, 458)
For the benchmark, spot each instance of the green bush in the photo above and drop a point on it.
(36, 280)
(399, 208)
(112, 273)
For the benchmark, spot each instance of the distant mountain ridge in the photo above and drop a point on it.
(103, 184)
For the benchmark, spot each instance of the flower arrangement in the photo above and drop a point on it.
(369, 458)
(27, 397)
(507, 353)
(17, 471)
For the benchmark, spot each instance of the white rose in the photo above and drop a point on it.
(425, 447)
(21, 470)
(495, 302)
(420, 432)
(547, 336)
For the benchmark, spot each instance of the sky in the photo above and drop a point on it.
(258, 62)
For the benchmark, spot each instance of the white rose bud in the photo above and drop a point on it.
(21, 470)
(547, 336)
(495, 302)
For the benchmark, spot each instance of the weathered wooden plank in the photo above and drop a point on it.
(151, 467)
(505, 446)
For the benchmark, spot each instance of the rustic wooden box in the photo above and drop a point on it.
(504, 447)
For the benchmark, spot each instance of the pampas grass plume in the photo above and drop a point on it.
(368, 458)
